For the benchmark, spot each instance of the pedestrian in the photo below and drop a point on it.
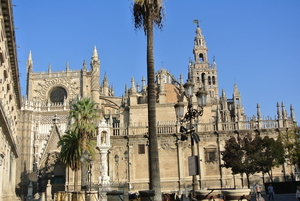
(298, 193)
(259, 196)
(271, 192)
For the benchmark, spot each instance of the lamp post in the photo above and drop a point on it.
(188, 118)
(87, 158)
(127, 184)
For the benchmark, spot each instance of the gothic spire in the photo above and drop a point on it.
(30, 56)
(29, 64)
(29, 68)
(223, 93)
(95, 54)
(95, 75)
(105, 80)
(236, 90)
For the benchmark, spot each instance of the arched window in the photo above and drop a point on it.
(209, 80)
(213, 80)
(58, 94)
(201, 57)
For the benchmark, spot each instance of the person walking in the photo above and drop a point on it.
(271, 192)
(298, 193)
(259, 196)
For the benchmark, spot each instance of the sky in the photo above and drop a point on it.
(255, 43)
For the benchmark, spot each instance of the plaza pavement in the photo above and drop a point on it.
(279, 197)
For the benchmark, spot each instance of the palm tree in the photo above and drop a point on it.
(147, 14)
(84, 113)
(70, 153)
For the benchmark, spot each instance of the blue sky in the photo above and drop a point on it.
(256, 43)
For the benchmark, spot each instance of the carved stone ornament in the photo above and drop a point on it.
(67, 83)
(50, 161)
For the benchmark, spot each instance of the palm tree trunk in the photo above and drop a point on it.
(76, 180)
(83, 165)
(153, 145)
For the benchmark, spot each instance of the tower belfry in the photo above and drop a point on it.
(201, 72)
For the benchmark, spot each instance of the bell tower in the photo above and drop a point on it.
(201, 72)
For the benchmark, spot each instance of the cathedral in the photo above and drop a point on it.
(122, 128)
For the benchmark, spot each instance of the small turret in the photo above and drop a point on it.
(292, 113)
(133, 89)
(223, 101)
(49, 68)
(144, 87)
(138, 87)
(278, 111)
(67, 66)
(279, 114)
(105, 86)
(284, 113)
(132, 93)
(84, 65)
(126, 90)
(258, 112)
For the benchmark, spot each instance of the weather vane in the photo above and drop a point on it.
(196, 21)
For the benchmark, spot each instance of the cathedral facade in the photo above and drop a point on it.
(122, 129)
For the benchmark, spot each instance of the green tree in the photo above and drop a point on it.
(272, 155)
(242, 155)
(70, 153)
(84, 113)
(291, 143)
(248, 156)
(147, 14)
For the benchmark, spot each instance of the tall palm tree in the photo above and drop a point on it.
(147, 14)
(84, 113)
(70, 153)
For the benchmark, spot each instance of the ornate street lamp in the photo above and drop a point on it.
(191, 112)
(188, 117)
